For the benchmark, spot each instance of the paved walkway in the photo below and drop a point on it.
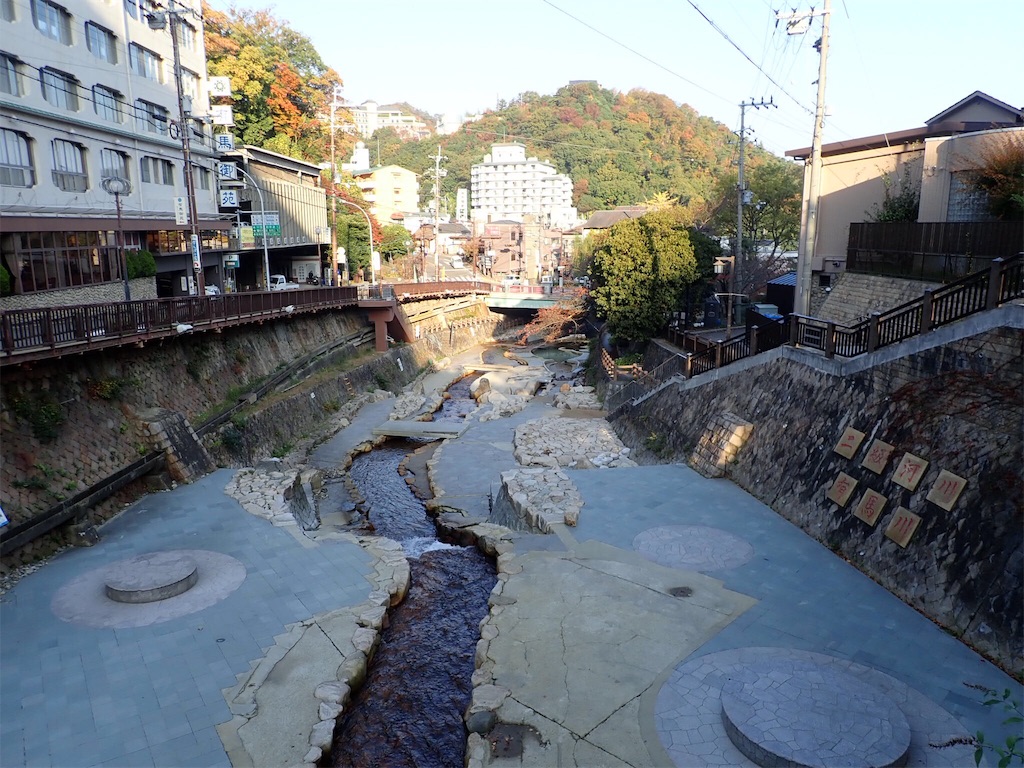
(608, 643)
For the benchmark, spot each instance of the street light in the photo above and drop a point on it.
(118, 186)
(263, 218)
(369, 228)
(319, 257)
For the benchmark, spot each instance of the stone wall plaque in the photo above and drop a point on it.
(878, 457)
(902, 526)
(910, 471)
(870, 507)
(946, 490)
(842, 489)
(849, 442)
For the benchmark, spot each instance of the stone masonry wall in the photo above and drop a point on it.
(105, 293)
(68, 424)
(854, 297)
(958, 406)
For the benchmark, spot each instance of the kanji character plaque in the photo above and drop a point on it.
(910, 471)
(878, 456)
(870, 507)
(842, 489)
(946, 490)
(849, 442)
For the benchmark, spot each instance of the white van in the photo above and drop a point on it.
(509, 280)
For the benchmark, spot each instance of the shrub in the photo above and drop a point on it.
(140, 264)
(5, 281)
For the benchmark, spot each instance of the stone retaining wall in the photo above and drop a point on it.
(68, 424)
(105, 293)
(854, 297)
(957, 405)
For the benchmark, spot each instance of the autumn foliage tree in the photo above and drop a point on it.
(564, 318)
(281, 87)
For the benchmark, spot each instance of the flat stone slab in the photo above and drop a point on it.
(791, 713)
(694, 547)
(151, 577)
(430, 430)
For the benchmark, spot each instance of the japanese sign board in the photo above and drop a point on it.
(842, 489)
(246, 238)
(229, 198)
(273, 222)
(946, 490)
(231, 261)
(223, 114)
(910, 471)
(197, 263)
(180, 210)
(225, 142)
(878, 457)
(870, 507)
(902, 526)
(220, 86)
(849, 442)
(227, 171)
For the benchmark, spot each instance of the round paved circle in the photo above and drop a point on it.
(693, 547)
(688, 709)
(793, 712)
(151, 577)
(83, 600)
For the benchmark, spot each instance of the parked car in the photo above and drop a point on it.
(510, 280)
(281, 283)
(212, 290)
(456, 262)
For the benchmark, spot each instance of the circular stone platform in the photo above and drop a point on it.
(151, 577)
(693, 547)
(83, 600)
(798, 713)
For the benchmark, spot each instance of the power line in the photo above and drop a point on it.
(720, 31)
(619, 43)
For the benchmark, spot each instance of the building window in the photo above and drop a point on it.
(69, 166)
(15, 160)
(189, 84)
(146, 63)
(202, 178)
(101, 42)
(10, 78)
(151, 117)
(52, 20)
(114, 164)
(7, 10)
(51, 260)
(966, 202)
(155, 170)
(132, 8)
(59, 88)
(187, 36)
(107, 103)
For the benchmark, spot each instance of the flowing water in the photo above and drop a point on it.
(409, 711)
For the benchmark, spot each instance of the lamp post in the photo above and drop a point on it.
(117, 186)
(263, 216)
(319, 257)
(369, 227)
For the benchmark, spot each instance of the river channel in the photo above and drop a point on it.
(409, 710)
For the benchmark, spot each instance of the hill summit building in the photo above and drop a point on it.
(509, 186)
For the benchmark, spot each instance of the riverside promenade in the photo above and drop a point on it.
(618, 641)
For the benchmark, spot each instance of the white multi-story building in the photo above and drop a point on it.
(87, 92)
(509, 186)
(370, 116)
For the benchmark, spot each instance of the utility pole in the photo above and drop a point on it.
(741, 200)
(185, 131)
(334, 205)
(809, 224)
(437, 209)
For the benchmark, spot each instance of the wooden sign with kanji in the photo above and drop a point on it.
(842, 489)
(902, 526)
(878, 456)
(910, 471)
(870, 507)
(849, 442)
(946, 490)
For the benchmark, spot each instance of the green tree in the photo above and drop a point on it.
(395, 241)
(641, 270)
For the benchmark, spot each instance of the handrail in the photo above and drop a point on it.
(1002, 282)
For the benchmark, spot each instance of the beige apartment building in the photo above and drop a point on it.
(936, 160)
(391, 191)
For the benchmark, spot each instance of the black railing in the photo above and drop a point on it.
(935, 251)
(1003, 281)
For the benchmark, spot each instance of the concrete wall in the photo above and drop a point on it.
(951, 397)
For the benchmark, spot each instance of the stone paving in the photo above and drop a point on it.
(609, 642)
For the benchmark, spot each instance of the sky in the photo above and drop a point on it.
(892, 64)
